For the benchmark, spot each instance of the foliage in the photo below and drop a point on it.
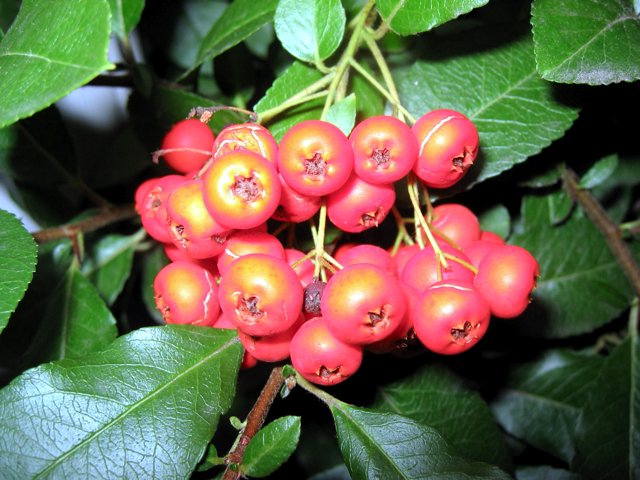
(94, 385)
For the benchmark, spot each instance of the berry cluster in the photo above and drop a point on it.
(440, 286)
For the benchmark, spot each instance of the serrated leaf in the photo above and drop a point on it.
(18, 256)
(148, 404)
(295, 78)
(586, 41)
(385, 445)
(435, 397)
(271, 447)
(515, 112)
(408, 17)
(496, 220)
(599, 172)
(50, 50)
(608, 432)
(310, 30)
(542, 401)
(343, 114)
(125, 15)
(238, 21)
(575, 262)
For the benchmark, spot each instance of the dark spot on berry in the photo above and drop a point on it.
(326, 373)
(248, 309)
(372, 219)
(460, 334)
(312, 297)
(381, 158)
(247, 188)
(375, 318)
(458, 162)
(315, 166)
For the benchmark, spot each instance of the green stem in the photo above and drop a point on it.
(311, 388)
(319, 239)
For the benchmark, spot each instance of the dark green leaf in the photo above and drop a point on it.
(271, 447)
(542, 401)
(575, 262)
(295, 78)
(560, 206)
(496, 220)
(586, 41)
(210, 460)
(51, 49)
(599, 172)
(146, 405)
(545, 473)
(125, 15)
(436, 398)
(515, 112)
(343, 114)
(260, 41)
(407, 17)
(8, 11)
(310, 30)
(385, 445)
(238, 21)
(18, 255)
(608, 433)
(369, 102)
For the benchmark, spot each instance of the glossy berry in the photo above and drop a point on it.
(246, 136)
(455, 223)
(187, 145)
(150, 204)
(295, 207)
(351, 254)
(423, 269)
(244, 242)
(270, 348)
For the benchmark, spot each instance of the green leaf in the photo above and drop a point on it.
(496, 220)
(343, 114)
(146, 405)
(238, 21)
(599, 172)
(436, 398)
(608, 433)
(271, 447)
(586, 41)
(545, 473)
(515, 112)
(560, 206)
(18, 255)
(575, 262)
(310, 30)
(385, 445)
(50, 50)
(108, 263)
(408, 17)
(369, 102)
(125, 15)
(542, 401)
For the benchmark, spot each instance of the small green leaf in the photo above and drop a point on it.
(560, 206)
(271, 447)
(496, 220)
(125, 15)
(50, 50)
(18, 256)
(608, 432)
(295, 78)
(542, 401)
(408, 17)
(343, 114)
(150, 402)
(599, 172)
(586, 41)
(210, 460)
(310, 30)
(385, 445)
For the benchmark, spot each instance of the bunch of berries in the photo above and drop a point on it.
(440, 286)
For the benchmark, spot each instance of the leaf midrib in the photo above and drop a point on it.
(49, 60)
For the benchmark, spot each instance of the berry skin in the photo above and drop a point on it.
(303, 268)
(241, 189)
(294, 207)
(260, 294)
(315, 158)
(450, 317)
(246, 136)
(488, 236)
(456, 223)
(320, 357)
(351, 254)
(189, 143)
(363, 304)
(448, 145)
(150, 204)
(385, 149)
(186, 293)
(402, 256)
(270, 348)
(506, 277)
(421, 270)
(243, 242)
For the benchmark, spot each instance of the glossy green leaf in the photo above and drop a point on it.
(310, 30)
(108, 263)
(560, 206)
(599, 172)
(343, 114)
(542, 401)
(608, 433)
(545, 473)
(369, 101)
(575, 262)
(586, 41)
(146, 405)
(238, 21)
(515, 112)
(408, 17)
(377, 445)
(18, 256)
(436, 398)
(51, 49)
(496, 220)
(125, 15)
(271, 447)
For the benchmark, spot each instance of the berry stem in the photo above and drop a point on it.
(205, 113)
(312, 92)
(465, 264)
(319, 239)
(311, 388)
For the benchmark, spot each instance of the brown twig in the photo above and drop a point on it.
(609, 230)
(254, 422)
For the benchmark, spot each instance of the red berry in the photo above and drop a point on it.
(188, 145)
(243, 242)
(294, 206)
(246, 136)
(421, 270)
(150, 203)
(270, 348)
(455, 223)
